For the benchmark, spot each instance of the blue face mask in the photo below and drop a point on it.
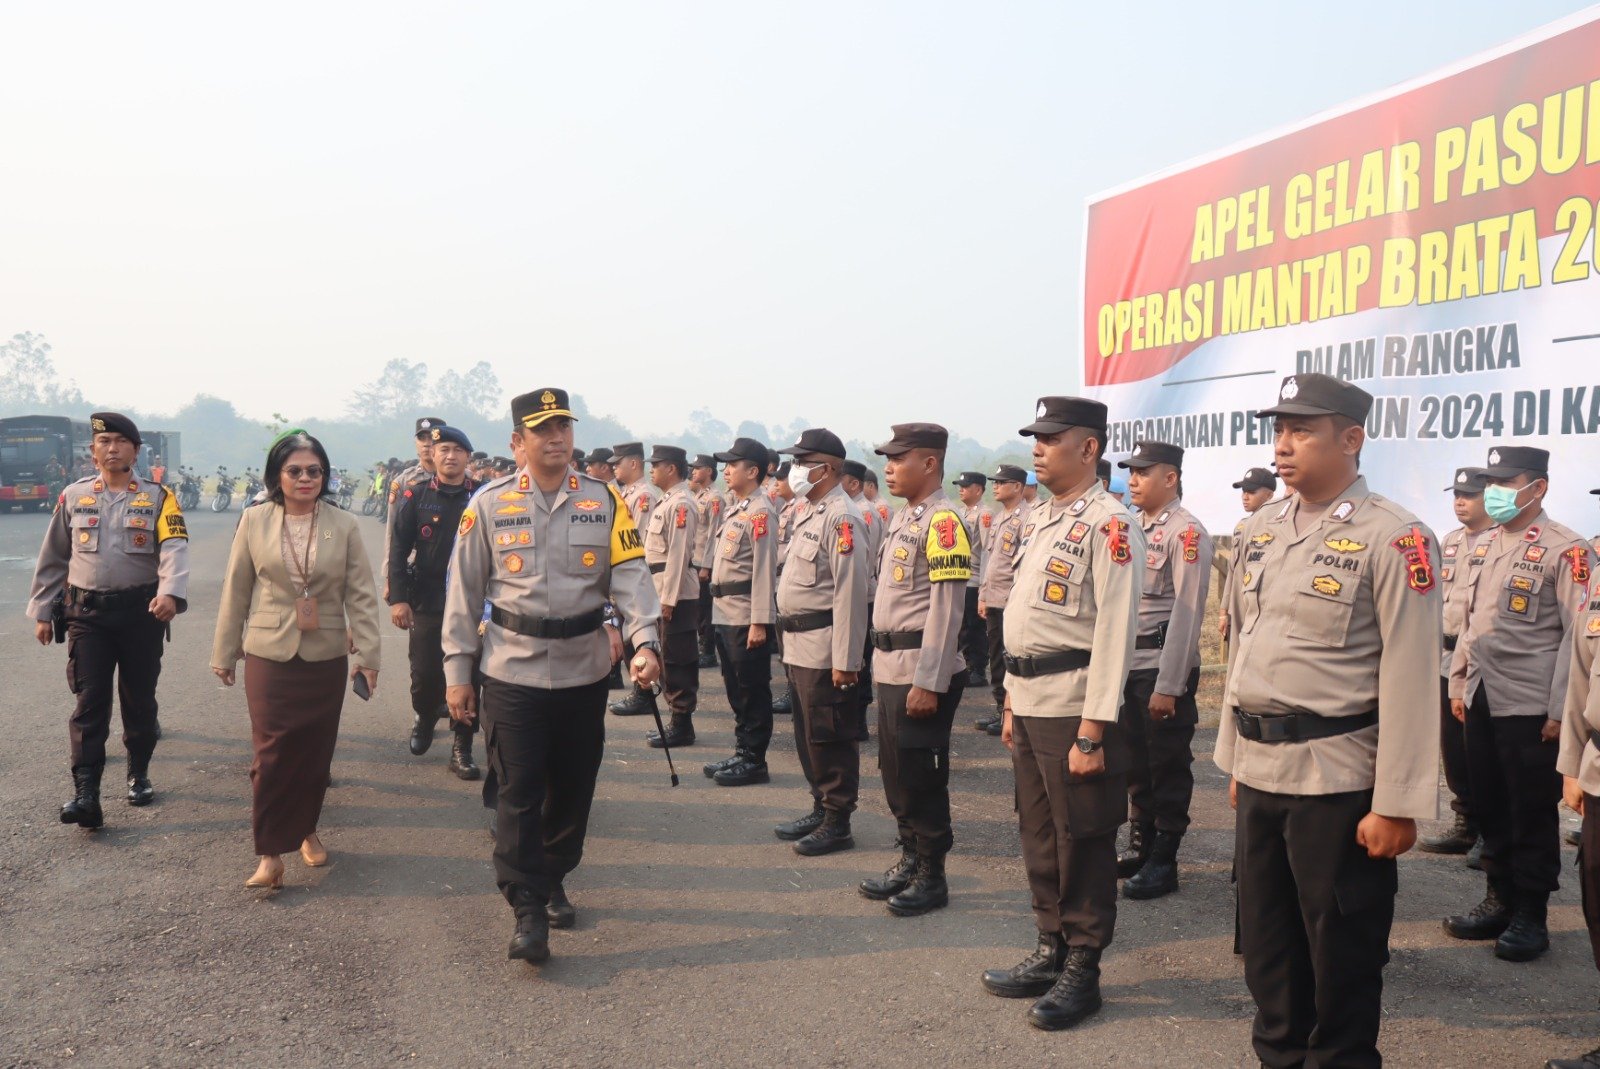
(1500, 502)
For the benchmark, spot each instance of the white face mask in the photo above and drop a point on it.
(800, 480)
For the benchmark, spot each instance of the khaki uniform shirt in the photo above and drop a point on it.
(1077, 588)
(826, 569)
(747, 550)
(1580, 718)
(786, 516)
(1337, 621)
(1000, 557)
(711, 509)
(560, 558)
(105, 540)
(922, 583)
(641, 497)
(1177, 581)
(1520, 606)
(877, 533)
(670, 536)
(978, 521)
(1457, 559)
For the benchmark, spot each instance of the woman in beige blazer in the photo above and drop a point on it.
(297, 602)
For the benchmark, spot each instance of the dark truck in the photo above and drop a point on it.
(39, 456)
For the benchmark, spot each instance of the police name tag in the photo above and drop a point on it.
(305, 613)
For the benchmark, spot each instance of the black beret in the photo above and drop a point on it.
(115, 423)
(441, 433)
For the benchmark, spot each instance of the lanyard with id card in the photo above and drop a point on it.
(305, 606)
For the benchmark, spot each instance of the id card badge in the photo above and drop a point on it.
(305, 613)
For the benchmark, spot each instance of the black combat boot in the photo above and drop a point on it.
(1587, 1061)
(982, 723)
(461, 756)
(636, 703)
(711, 768)
(559, 910)
(831, 837)
(1526, 937)
(1034, 974)
(747, 770)
(977, 677)
(800, 827)
(680, 732)
(1457, 839)
(1159, 874)
(1487, 920)
(422, 734)
(708, 656)
(531, 942)
(140, 789)
(783, 705)
(1075, 996)
(895, 880)
(926, 892)
(996, 726)
(1475, 855)
(84, 809)
(1140, 835)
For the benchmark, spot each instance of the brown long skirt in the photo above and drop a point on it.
(294, 723)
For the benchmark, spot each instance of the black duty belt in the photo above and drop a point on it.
(1450, 643)
(729, 590)
(806, 621)
(1298, 727)
(548, 626)
(1155, 640)
(889, 641)
(111, 600)
(1045, 664)
(657, 569)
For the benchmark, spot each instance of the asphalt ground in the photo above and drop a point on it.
(701, 939)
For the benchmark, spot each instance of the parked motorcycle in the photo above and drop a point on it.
(189, 490)
(252, 485)
(225, 489)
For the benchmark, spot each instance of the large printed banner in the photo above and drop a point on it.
(1434, 244)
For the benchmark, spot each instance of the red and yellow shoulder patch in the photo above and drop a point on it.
(468, 520)
(1116, 532)
(1413, 546)
(1191, 545)
(847, 540)
(1578, 560)
(758, 525)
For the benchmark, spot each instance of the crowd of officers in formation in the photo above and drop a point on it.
(527, 592)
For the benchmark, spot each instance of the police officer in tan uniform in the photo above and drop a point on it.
(1579, 765)
(744, 576)
(1328, 729)
(822, 612)
(112, 573)
(923, 569)
(1458, 552)
(978, 519)
(597, 464)
(546, 548)
(1069, 631)
(1159, 714)
(1256, 488)
(641, 496)
(853, 479)
(783, 500)
(1508, 682)
(999, 567)
(703, 484)
(671, 534)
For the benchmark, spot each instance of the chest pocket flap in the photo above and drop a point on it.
(1519, 597)
(1059, 584)
(802, 562)
(1324, 600)
(85, 532)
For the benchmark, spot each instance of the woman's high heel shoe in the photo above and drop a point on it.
(267, 875)
(312, 852)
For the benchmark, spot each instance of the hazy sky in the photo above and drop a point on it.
(857, 213)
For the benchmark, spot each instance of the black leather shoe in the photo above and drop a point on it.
(559, 911)
(1475, 855)
(531, 942)
(421, 734)
(635, 704)
(982, 723)
(461, 757)
(1527, 936)
(976, 677)
(1034, 974)
(84, 809)
(680, 732)
(140, 790)
(711, 768)
(830, 838)
(747, 771)
(892, 882)
(996, 726)
(1587, 1061)
(1075, 996)
(1159, 874)
(783, 705)
(1487, 920)
(926, 892)
(1140, 837)
(800, 827)
(708, 660)
(1457, 839)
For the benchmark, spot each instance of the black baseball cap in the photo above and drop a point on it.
(628, 449)
(909, 436)
(1509, 461)
(855, 469)
(818, 440)
(1257, 479)
(1147, 453)
(670, 454)
(577, 456)
(534, 407)
(1009, 473)
(970, 478)
(745, 449)
(702, 460)
(115, 423)
(1056, 414)
(1315, 394)
(1467, 481)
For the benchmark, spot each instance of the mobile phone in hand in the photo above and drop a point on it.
(363, 691)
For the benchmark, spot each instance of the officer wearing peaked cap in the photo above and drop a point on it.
(1328, 730)
(546, 548)
(1256, 488)
(978, 520)
(421, 469)
(112, 573)
(1069, 633)
(703, 485)
(671, 536)
(853, 479)
(597, 464)
(641, 496)
(999, 575)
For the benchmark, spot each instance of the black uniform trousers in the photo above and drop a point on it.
(995, 621)
(1453, 749)
(121, 647)
(1589, 871)
(863, 687)
(914, 759)
(427, 670)
(1515, 791)
(747, 677)
(825, 737)
(974, 639)
(544, 749)
(1069, 828)
(1316, 913)
(1160, 779)
(707, 634)
(680, 658)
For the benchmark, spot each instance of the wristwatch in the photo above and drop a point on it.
(1088, 745)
